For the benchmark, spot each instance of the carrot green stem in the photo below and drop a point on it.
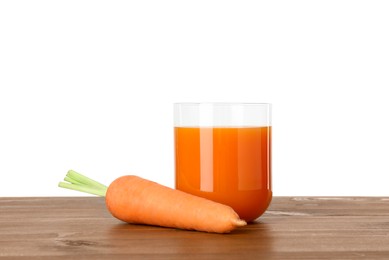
(79, 182)
(85, 189)
(70, 180)
(84, 180)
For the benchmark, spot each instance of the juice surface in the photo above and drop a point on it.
(226, 164)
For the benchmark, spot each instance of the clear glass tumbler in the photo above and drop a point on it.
(223, 153)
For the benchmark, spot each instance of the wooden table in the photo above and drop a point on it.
(292, 228)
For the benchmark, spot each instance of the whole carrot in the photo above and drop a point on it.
(136, 200)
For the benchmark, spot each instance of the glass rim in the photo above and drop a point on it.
(223, 103)
(222, 114)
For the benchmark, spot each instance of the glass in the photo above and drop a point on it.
(223, 153)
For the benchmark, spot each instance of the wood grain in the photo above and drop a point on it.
(292, 228)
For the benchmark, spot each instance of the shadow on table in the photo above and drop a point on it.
(253, 239)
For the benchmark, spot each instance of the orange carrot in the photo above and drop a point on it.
(139, 201)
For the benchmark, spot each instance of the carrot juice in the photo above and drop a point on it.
(230, 165)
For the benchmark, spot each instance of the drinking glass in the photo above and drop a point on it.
(223, 153)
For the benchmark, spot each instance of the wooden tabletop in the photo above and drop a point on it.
(292, 228)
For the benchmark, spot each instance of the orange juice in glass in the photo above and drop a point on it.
(223, 153)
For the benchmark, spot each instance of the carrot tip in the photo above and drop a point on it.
(239, 222)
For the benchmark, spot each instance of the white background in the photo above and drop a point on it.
(90, 86)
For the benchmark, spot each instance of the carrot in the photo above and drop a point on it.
(139, 201)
